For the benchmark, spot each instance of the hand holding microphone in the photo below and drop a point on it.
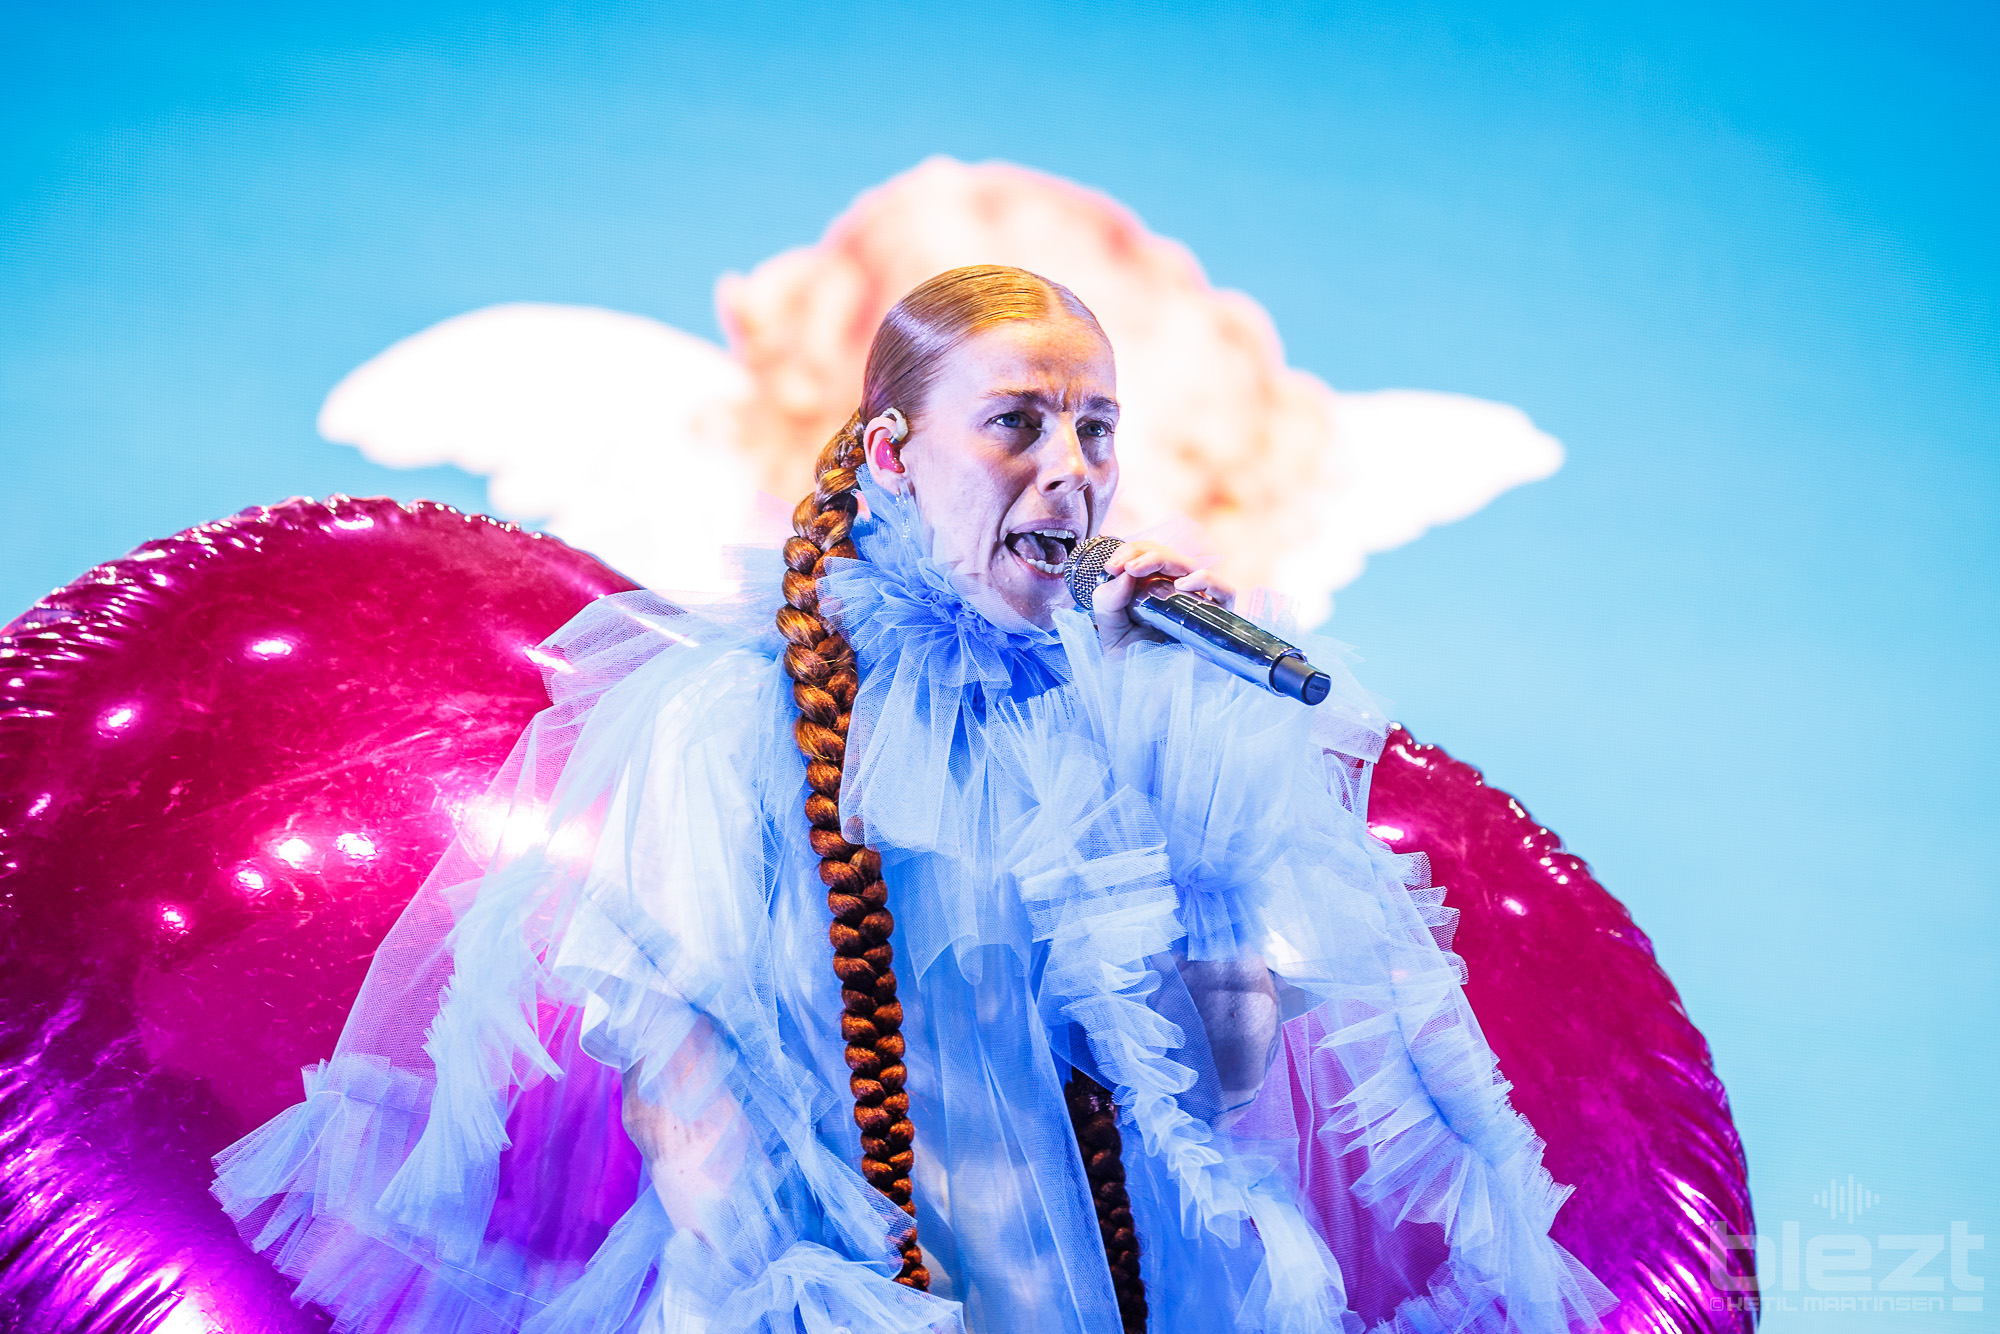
(1134, 569)
(1170, 605)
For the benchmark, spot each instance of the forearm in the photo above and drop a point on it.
(691, 1131)
(1237, 1000)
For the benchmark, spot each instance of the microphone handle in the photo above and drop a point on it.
(1230, 642)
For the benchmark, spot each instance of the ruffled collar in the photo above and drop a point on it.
(899, 605)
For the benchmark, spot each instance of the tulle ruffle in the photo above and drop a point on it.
(631, 933)
(932, 668)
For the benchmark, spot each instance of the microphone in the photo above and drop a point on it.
(1221, 636)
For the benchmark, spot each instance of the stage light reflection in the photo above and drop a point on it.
(358, 846)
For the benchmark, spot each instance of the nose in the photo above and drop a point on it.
(1063, 466)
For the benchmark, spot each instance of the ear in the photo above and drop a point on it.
(884, 464)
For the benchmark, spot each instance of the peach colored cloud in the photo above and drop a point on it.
(1294, 482)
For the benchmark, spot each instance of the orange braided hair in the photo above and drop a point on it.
(1094, 1117)
(821, 665)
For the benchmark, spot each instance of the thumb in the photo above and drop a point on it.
(1111, 605)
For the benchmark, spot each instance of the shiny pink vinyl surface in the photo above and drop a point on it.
(228, 759)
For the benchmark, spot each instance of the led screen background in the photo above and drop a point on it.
(1736, 651)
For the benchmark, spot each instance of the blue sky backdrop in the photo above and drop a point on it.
(1741, 261)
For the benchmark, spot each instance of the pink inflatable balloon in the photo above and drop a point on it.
(228, 759)
(1604, 1062)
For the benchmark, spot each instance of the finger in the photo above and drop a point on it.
(1208, 584)
(1112, 597)
(1110, 608)
(1115, 564)
(1155, 560)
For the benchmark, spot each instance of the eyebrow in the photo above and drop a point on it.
(1095, 403)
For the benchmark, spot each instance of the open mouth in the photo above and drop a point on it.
(1043, 549)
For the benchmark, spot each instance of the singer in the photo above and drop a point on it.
(933, 954)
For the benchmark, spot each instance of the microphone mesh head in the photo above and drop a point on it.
(1086, 567)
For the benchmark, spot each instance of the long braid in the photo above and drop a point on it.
(1094, 1116)
(824, 678)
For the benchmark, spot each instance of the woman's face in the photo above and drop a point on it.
(1011, 460)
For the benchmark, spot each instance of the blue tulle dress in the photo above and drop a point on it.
(634, 911)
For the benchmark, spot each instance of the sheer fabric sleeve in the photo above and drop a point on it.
(1258, 808)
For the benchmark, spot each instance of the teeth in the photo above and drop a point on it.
(1046, 549)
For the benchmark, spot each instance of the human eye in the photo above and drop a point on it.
(1019, 427)
(1094, 428)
